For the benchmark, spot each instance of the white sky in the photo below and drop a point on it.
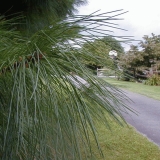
(143, 17)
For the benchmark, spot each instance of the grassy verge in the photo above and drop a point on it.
(150, 91)
(124, 143)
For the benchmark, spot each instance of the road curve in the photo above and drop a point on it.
(147, 121)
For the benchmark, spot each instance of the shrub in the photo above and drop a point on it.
(153, 80)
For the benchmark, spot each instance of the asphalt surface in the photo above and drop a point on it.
(147, 122)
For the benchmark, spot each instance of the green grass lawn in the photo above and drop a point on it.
(150, 91)
(124, 142)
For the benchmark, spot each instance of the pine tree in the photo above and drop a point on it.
(46, 111)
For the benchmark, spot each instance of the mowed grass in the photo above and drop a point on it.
(124, 142)
(150, 91)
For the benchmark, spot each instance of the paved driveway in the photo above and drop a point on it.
(147, 121)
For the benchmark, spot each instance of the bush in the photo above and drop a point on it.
(153, 80)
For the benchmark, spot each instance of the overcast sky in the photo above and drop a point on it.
(143, 17)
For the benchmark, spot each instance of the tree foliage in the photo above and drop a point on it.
(33, 15)
(47, 112)
(114, 44)
(131, 61)
(100, 51)
(101, 48)
(151, 49)
(142, 60)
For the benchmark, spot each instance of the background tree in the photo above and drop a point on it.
(138, 61)
(132, 61)
(44, 113)
(114, 44)
(100, 51)
(151, 50)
